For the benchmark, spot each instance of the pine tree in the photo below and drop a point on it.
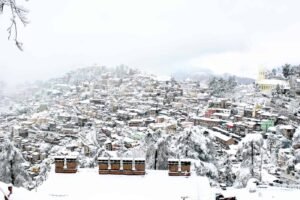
(286, 70)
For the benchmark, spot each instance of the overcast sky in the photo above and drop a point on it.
(160, 36)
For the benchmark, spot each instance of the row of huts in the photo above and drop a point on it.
(122, 166)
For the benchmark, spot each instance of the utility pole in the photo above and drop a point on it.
(155, 160)
(261, 163)
(252, 159)
(122, 150)
(156, 111)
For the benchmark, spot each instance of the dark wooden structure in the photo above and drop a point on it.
(178, 167)
(121, 166)
(65, 164)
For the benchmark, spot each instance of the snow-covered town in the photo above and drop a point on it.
(96, 130)
(149, 100)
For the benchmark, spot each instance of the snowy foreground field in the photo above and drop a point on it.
(88, 184)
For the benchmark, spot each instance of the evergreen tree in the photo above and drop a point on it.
(286, 70)
(274, 72)
(219, 86)
(228, 175)
(12, 165)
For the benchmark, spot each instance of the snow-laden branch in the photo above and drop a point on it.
(17, 13)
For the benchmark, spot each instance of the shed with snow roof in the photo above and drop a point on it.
(65, 164)
(179, 167)
(121, 166)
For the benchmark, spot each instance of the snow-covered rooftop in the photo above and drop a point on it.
(273, 82)
(177, 160)
(286, 127)
(106, 158)
(221, 136)
(88, 184)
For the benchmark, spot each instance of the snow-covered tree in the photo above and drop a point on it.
(88, 137)
(45, 168)
(297, 155)
(162, 153)
(248, 149)
(12, 165)
(296, 139)
(227, 174)
(286, 69)
(206, 169)
(219, 86)
(157, 150)
(242, 177)
(273, 146)
(196, 143)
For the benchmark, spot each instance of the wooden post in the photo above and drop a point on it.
(109, 164)
(65, 163)
(179, 165)
(133, 164)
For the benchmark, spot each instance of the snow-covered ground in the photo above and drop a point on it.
(270, 193)
(87, 184)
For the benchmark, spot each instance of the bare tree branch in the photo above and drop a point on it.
(17, 13)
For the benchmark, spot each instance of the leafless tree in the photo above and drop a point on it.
(18, 13)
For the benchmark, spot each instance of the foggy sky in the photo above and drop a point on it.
(158, 36)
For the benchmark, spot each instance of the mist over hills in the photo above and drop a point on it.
(203, 75)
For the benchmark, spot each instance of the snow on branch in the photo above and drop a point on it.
(17, 13)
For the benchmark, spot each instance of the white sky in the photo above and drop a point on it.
(160, 36)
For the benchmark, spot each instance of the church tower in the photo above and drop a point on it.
(261, 73)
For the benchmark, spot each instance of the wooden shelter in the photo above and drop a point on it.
(65, 164)
(121, 166)
(179, 167)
